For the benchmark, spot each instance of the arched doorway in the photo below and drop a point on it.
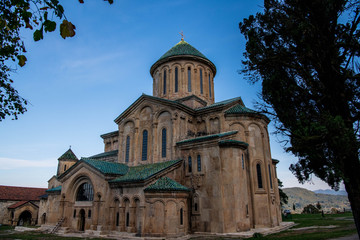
(82, 220)
(24, 218)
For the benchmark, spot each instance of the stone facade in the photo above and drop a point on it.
(178, 163)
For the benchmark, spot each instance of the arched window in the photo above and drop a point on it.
(198, 163)
(189, 79)
(127, 149)
(144, 145)
(127, 219)
(181, 216)
(176, 80)
(85, 192)
(270, 177)
(117, 219)
(201, 82)
(209, 85)
(259, 178)
(164, 88)
(64, 168)
(89, 213)
(74, 215)
(163, 142)
(190, 164)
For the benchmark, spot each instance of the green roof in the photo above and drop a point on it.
(222, 103)
(143, 172)
(107, 167)
(55, 189)
(166, 184)
(208, 137)
(105, 154)
(183, 48)
(240, 109)
(68, 155)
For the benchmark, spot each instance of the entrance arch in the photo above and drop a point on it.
(24, 218)
(82, 220)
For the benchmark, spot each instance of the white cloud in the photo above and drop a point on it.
(11, 163)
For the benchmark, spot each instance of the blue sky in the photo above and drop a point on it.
(78, 86)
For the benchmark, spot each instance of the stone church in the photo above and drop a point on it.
(178, 163)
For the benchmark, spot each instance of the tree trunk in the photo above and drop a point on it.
(352, 186)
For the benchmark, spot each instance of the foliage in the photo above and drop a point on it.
(283, 196)
(318, 205)
(39, 16)
(310, 209)
(305, 53)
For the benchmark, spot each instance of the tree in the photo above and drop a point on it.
(305, 53)
(310, 209)
(318, 206)
(283, 196)
(40, 16)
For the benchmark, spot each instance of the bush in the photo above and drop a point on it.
(310, 209)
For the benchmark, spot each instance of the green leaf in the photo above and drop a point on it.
(50, 26)
(22, 60)
(59, 11)
(38, 35)
(67, 29)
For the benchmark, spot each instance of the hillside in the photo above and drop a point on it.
(302, 197)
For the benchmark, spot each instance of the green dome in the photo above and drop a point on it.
(182, 50)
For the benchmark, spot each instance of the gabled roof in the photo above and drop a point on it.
(206, 138)
(144, 172)
(68, 155)
(21, 193)
(166, 184)
(182, 49)
(107, 167)
(105, 154)
(222, 103)
(19, 204)
(240, 109)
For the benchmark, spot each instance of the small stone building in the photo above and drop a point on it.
(19, 206)
(178, 162)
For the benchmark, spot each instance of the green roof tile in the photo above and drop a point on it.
(55, 189)
(222, 103)
(166, 184)
(143, 172)
(182, 48)
(107, 167)
(240, 109)
(68, 155)
(105, 154)
(208, 137)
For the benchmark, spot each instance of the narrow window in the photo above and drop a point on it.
(189, 79)
(270, 177)
(127, 219)
(127, 149)
(163, 143)
(201, 82)
(209, 86)
(74, 215)
(89, 213)
(247, 209)
(259, 178)
(164, 89)
(242, 161)
(144, 145)
(64, 168)
(117, 219)
(190, 164)
(199, 163)
(176, 79)
(195, 207)
(181, 217)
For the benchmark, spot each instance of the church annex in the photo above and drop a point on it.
(178, 163)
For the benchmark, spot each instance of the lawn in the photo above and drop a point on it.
(309, 226)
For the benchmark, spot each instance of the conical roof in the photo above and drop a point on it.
(182, 50)
(68, 155)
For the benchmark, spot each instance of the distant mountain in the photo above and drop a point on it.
(331, 192)
(301, 197)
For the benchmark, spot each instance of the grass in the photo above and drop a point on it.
(344, 226)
